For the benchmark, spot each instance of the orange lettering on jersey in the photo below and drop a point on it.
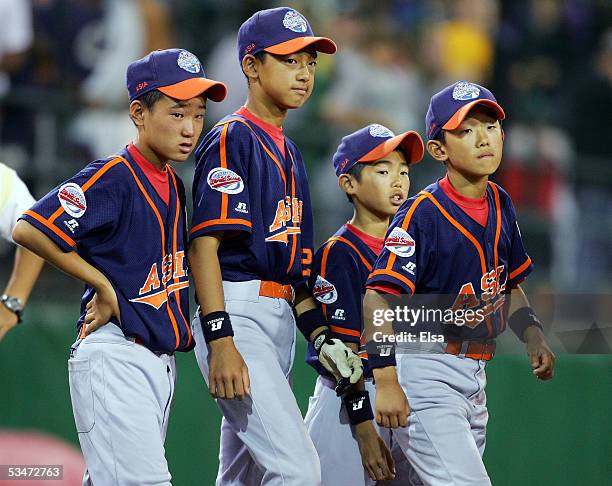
(179, 259)
(152, 282)
(490, 283)
(288, 210)
(295, 209)
(167, 269)
(466, 299)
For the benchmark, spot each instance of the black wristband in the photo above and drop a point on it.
(324, 337)
(308, 321)
(216, 325)
(358, 407)
(380, 355)
(522, 319)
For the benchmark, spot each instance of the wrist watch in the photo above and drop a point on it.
(13, 304)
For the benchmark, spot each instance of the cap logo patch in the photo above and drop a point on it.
(377, 130)
(249, 48)
(465, 91)
(225, 180)
(72, 199)
(324, 291)
(187, 61)
(400, 243)
(295, 22)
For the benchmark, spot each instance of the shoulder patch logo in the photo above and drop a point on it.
(72, 199)
(324, 291)
(465, 91)
(187, 61)
(400, 243)
(295, 22)
(225, 180)
(377, 130)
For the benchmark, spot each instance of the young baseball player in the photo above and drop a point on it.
(458, 237)
(372, 165)
(14, 200)
(119, 226)
(250, 255)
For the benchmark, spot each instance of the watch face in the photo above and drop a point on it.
(13, 304)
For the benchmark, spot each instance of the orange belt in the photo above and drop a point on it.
(276, 291)
(475, 349)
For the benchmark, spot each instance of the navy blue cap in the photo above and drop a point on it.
(280, 31)
(374, 142)
(175, 72)
(448, 108)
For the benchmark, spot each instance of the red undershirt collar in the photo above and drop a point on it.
(275, 133)
(157, 178)
(476, 208)
(373, 243)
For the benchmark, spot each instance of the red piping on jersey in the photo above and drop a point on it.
(90, 182)
(176, 286)
(163, 245)
(213, 222)
(498, 221)
(51, 226)
(520, 269)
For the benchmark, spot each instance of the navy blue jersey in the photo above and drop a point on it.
(244, 184)
(434, 247)
(111, 215)
(339, 273)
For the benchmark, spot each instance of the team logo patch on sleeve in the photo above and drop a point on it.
(295, 22)
(400, 243)
(324, 291)
(225, 180)
(72, 199)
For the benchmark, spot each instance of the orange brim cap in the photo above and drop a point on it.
(410, 142)
(455, 120)
(322, 44)
(192, 87)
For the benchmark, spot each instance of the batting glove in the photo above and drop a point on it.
(337, 358)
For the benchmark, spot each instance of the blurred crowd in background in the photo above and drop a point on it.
(549, 62)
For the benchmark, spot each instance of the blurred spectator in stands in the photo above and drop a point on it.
(588, 103)
(15, 38)
(131, 29)
(462, 47)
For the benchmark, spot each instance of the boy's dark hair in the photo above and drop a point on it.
(149, 99)
(355, 171)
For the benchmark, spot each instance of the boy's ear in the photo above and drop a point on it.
(250, 64)
(347, 184)
(137, 113)
(437, 150)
